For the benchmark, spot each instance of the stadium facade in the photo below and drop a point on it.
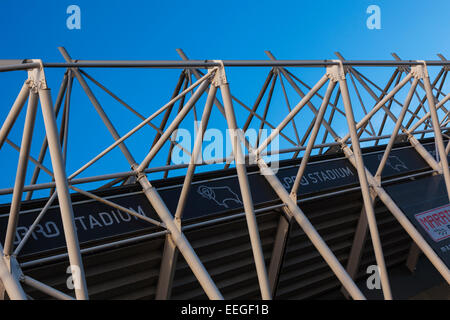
(364, 182)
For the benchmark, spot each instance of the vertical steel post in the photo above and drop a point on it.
(437, 129)
(66, 115)
(64, 129)
(21, 172)
(65, 203)
(2, 290)
(43, 151)
(244, 186)
(361, 229)
(364, 184)
(278, 251)
(413, 257)
(167, 269)
(358, 244)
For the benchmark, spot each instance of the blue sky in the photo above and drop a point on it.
(152, 30)
(228, 30)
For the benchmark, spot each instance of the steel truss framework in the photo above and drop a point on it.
(206, 77)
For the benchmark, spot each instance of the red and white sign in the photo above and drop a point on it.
(436, 222)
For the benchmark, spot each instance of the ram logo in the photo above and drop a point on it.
(394, 162)
(220, 195)
(440, 231)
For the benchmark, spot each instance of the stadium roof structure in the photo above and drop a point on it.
(252, 225)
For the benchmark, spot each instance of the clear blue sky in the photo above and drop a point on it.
(205, 30)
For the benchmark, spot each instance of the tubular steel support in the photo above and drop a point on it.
(244, 186)
(404, 222)
(180, 240)
(279, 249)
(180, 116)
(437, 132)
(175, 129)
(167, 269)
(165, 118)
(309, 230)
(358, 244)
(413, 257)
(401, 218)
(170, 255)
(396, 129)
(398, 214)
(21, 172)
(413, 140)
(363, 128)
(292, 114)
(409, 227)
(14, 112)
(182, 243)
(313, 137)
(65, 202)
(161, 209)
(97, 106)
(135, 129)
(340, 74)
(361, 229)
(10, 282)
(44, 146)
(45, 288)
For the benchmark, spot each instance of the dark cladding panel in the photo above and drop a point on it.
(225, 250)
(304, 273)
(131, 271)
(93, 221)
(209, 196)
(128, 272)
